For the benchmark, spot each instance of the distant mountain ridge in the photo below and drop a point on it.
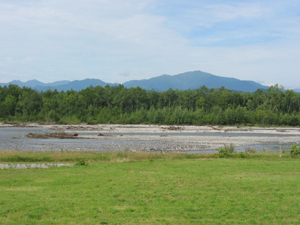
(35, 83)
(183, 81)
(297, 90)
(75, 85)
(64, 85)
(194, 80)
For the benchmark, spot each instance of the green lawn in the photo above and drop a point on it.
(162, 191)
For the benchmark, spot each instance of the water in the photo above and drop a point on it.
(13, 138)
(266, 147)
(272, 147)
(223, 134)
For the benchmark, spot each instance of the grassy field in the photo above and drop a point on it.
(141, 188)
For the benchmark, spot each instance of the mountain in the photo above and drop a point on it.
(30, 83)
(56, 83)
(75, 85)
(194, 80)
(35, 83)
(64, 85)
(183, 81)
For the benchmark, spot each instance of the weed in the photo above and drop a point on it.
(104, 221)
(81, 162)
(226, 151)
(111, 157)
(215, 155)
(243, 155)
(295, 150)
(250, 150)
(230, 148)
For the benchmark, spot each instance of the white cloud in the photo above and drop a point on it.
(47, 40)
(211, 14)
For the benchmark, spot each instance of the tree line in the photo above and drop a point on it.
(118, 104)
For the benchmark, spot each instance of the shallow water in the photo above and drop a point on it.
(13, 138)
(258, 148)
(198, 134)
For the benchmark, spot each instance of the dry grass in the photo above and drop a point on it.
(75, 156)
(173, 128)
(61, 135)
(68, 156)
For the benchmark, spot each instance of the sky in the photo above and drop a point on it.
(120, 40)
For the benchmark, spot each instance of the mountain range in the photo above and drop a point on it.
(297, 90)
(183, 81)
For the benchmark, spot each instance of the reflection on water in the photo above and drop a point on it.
(257, 148)
(266, 148)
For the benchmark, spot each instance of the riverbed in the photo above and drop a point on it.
(147, 138)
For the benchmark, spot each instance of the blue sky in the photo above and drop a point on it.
(117, 40)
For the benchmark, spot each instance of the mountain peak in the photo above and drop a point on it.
(182, 81)
(194, 80)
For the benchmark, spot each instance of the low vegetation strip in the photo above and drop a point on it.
(163, 191)
(94, 157)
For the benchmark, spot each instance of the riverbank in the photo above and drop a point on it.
(146, 138)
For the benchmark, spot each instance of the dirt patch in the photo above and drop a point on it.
(32, 165)
(24, 189)
(280, 130)
(172, 128)
(105, 135)
(214, 128)
(83, 127)
(60, 135)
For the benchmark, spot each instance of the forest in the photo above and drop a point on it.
(117, 104)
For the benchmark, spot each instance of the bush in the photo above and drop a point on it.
(243, 155)
(226, 151)
(81, 162)
(295, 150)
(250, 150)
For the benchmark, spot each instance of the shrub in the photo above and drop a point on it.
(81, 162)
(226, 151)
(230, 148)
(250, 150)
(295, 150)
(242, 155)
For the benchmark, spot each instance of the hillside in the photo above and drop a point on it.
(194, 80)
(183, 81)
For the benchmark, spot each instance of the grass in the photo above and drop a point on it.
(73, 156)
(141, 188)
